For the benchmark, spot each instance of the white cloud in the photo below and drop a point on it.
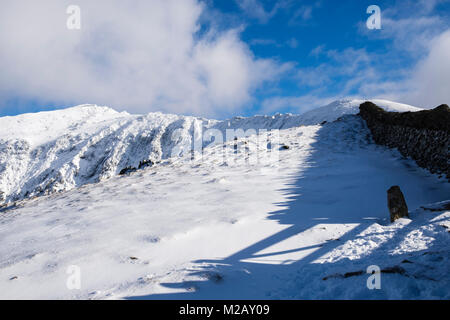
(141, 58)
(302, 14)
(354, 74)
(430, 82)
(317, 51)
(410, 25)
(418, 34)
(421, 33)
(255, 9)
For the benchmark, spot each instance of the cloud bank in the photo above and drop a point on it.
(431, 78)
(152, 55)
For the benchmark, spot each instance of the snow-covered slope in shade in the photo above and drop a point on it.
(47, 152)
(339, 108)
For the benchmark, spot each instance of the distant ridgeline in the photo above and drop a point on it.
(423, 135)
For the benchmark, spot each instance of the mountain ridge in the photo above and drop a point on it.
(52, 151)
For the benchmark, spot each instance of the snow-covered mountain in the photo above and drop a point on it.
(47, 152)
(53, 151)
(306, 224)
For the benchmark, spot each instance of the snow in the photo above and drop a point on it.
(205, 228)
(56, 151)
(342, 107)
(39, 128)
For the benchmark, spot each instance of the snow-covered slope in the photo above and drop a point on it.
(55, 151)
(304, 225)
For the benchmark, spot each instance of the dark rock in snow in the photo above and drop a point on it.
(145, 163)
(396, 203)
(406, 261)
(389, 270)
(353, 274)
(345, 275)
(214, 277)
(127, 170)
(394, 269)
(285, 147)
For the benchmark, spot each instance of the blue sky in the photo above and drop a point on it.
(221, 58)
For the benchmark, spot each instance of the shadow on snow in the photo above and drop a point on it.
(343, 182)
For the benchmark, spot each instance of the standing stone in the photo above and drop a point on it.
(397, 204)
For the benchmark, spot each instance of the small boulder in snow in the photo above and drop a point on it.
(127, 170)
(397, 204)
(146, 163)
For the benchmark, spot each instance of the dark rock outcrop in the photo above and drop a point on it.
(145, 163)
(127, 170)
(397, 204)
(423, 135)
